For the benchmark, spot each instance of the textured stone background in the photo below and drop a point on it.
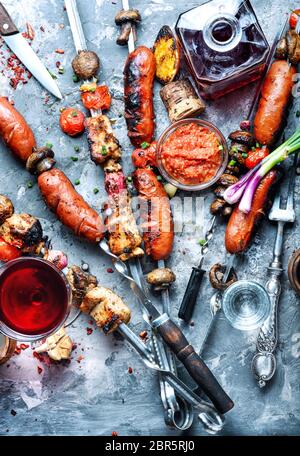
(98, 395)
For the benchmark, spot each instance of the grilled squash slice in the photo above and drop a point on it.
(167, 55)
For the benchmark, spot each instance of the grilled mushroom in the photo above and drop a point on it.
(127, 19)
(217, 206)
(216, 276)
(242, 137)
(6, 208)
(86, 64)
(281, 51)
(40, 160)
(161, 278)
(81, 283)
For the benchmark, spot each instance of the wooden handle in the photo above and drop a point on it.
(7, 27)
(198, 370)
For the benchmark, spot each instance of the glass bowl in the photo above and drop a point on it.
(171, 179)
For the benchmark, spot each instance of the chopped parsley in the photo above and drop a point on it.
(145, 145)
(77, 182)
(104, 150)
(74, 159)
(96, 190)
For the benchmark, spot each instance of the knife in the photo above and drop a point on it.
(17, 43)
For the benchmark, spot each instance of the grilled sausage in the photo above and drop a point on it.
(156, 215)
(139, 76)
(276, 93)
(69, 207)
(241, 226)
(15, 131)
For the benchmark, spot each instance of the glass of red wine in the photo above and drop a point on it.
(35, 299)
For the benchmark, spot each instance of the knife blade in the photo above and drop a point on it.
(20, 47)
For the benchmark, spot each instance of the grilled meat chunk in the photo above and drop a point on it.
(23, 231)
(103, 144)
(81, 283)
(6, 208)
(123, 236)
(107, 308)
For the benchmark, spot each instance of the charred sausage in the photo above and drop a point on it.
(139, 76)
(15, 131)
(69, 207)
(156, 215)
(276, 93)
(241, 226)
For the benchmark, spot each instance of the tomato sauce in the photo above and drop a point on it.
(192, 154)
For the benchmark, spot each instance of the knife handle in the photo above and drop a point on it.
(7, 27)
(190, 296)
(198, 370)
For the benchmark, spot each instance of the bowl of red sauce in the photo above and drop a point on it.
(192, 154)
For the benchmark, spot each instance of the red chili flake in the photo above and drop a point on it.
(130, 370)
(143, 334)
(13, 412)
(17, 350)
(40, 370)
(57, 64)
(59, 51)
(30, 31)
(89, 331)
(38, 356)
(110, 270)
(114, 434)
(24, 346)
(80, 358)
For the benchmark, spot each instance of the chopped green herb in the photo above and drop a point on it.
(53, 76)
(145, 145)
(253, 149)
(129, 179)
(29, 184)
(49, 145)
(159, 178)
(74, 114)
(232, 163)
(221, 147)
(257, 145)
(77, 182)
(202, 242)
(74, 159)
(234, 149)
(96, 190)
(76, 148)
(244, 155)
(75, 78)
(104, 150)
(61, 70)
(298, 114)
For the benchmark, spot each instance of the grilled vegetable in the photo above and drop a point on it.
(40, 160)
(107, 308)
(99, 98)
(242, 137)
(161, 278)
(72, 121)
(6, 208)
(86, 64)
(127, 19)
(167, 55)
(216, 277)
(255, 156)
(22, 231)
(143, 157)
(103, 144)
(282, 49)
(8, 252)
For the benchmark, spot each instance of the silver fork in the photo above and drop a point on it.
(264, 362)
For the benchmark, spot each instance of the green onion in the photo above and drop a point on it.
(77, 182)
(129, 179)
(29, 184)
(257, 145)
(202, 242)
(159, 178)
(49, 145)
(74, 114)
(244, 155)
(221, 147)
(61, 70)
(96, 190)
(74, 159)
(53, 76)
(298, 114)
(75, 78)
(145, 145)
(104, 150)
(76, 148)
(232, 163)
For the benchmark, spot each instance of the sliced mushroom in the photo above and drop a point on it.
(38, 156)
(86, 64)
(81, 283)
(217, 206)
(242, 137)
(219, 191)
(227, 180)
(161, 278)
(6, 208)
(216, 277)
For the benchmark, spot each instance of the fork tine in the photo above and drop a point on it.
(277, 203)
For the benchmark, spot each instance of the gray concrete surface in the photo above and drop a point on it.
(97, 396)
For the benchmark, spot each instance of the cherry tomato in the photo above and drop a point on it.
(8, 252)
(255, 156)
(143, 157)
(72, 121)
(294, 17)
(100, 99)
